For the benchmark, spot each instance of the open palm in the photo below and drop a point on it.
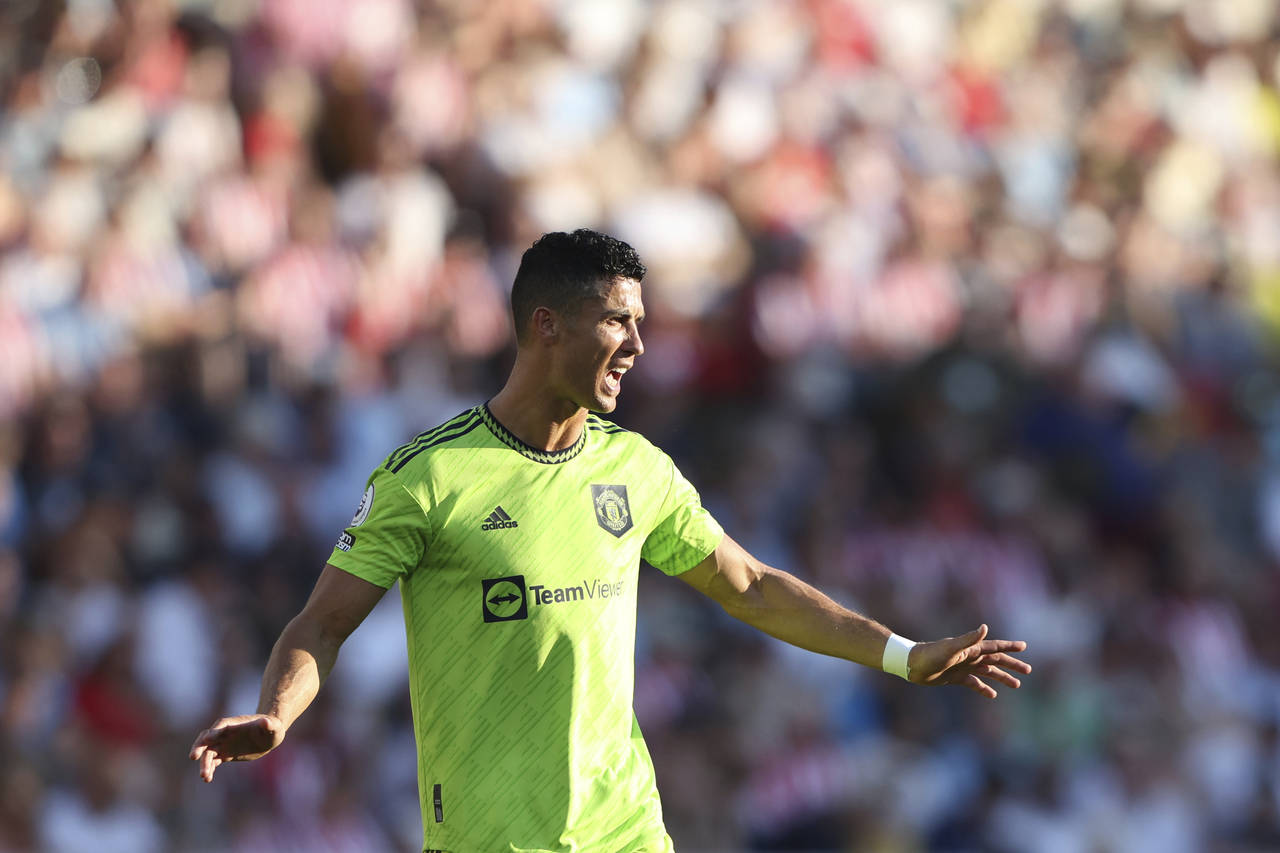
(969, 660)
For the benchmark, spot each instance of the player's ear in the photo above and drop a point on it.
(545, 323)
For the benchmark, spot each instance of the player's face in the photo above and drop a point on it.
(600, 344)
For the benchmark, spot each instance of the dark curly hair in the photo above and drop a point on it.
(560, 271)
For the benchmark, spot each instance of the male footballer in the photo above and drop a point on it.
(516, 531)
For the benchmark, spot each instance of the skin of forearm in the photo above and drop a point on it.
(787, 608)
(299, 663)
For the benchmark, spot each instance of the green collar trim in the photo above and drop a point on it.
(546, 457)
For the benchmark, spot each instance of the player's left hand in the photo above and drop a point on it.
(969, 660)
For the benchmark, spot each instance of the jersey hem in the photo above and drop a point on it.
(359, 573)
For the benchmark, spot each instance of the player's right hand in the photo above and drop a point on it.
(242, 738)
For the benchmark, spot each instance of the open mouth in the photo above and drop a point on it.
(613, 380)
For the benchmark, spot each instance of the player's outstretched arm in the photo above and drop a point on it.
(786, 607)
(301, 660)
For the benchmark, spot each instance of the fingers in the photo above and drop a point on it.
(975, 645)
(977, 685)
(997, 674)
(204, 754)
(241, 738)
(205, 749)
(966, 647)
(208, 763)
(205, 740)
(972, 675)
(969, 659)
(201, 743)
(963, 674)
(966, 642)
(990, 646)
(1003, 660)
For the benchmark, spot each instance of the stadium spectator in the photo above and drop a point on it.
(980, 296)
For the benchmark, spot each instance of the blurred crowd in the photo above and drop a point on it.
(965, 311)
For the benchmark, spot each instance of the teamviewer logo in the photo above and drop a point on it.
(504, 599)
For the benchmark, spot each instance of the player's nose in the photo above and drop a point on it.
(634, 345)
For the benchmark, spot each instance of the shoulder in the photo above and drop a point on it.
(603, 430)
(599, 424)
(420, 452)
(624, 441)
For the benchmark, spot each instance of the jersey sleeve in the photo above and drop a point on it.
(387, 537)
(686, 533)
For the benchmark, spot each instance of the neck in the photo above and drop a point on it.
(535, 414)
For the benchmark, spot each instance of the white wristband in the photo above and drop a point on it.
(896, 650)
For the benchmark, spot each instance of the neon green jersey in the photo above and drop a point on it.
(518, 571)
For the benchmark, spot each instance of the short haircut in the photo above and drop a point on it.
(561, 271)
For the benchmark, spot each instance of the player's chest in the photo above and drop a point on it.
(547, 518)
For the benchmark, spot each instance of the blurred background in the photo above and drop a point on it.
(964, 311)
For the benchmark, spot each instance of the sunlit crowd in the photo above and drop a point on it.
(963, 311)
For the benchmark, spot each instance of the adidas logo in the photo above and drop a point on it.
(498, 519)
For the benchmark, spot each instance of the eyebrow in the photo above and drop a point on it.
(624, 312)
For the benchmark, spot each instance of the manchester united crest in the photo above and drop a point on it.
(612, 511)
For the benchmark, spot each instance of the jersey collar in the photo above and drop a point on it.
(546, 457)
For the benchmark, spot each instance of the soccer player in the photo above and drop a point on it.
(516, 531)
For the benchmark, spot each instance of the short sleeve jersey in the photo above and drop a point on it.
(518, 571)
